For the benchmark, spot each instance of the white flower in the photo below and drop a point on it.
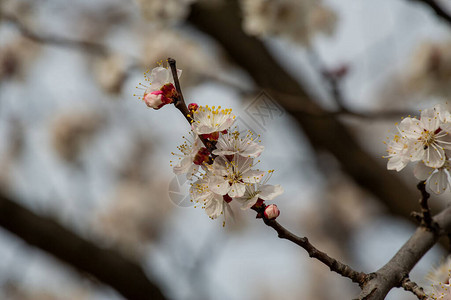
(398, 153)
(159, 77)
(440, 279)
(430, 139)
(441, 291)
(208, 120)
(437, 179)
(232, 177)
(259, 190)
(212, 203)
(442, 273)
(159, 89)
(232, 143)
(189, 151)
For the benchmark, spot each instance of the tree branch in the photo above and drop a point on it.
(107, 266)
(393, 273)
(94, 48)
(334, 265)
(411, 286)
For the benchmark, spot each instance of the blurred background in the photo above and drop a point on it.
(323, 82)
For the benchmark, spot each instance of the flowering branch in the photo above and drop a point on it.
(411, 286)
(269, 213)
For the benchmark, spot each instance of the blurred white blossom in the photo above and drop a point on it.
(298, 20)
(430, 69)
(165, 11)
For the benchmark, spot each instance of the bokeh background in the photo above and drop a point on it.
(77, 146)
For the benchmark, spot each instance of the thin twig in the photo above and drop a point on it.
(332, 263)
(411, 286)
(181, 105)
(95, 48)
(426, 219)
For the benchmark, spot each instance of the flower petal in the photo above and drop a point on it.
(247, 203)
(422, 171)
(269, 192)
(219, 185)
(237, 189)
(438, 182)
(214, 206)
(434, 156)
(253, 176)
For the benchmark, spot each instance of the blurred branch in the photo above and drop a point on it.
(107, 266)
(223, 23)
(95, 48)
(393, 273)
(439, 11)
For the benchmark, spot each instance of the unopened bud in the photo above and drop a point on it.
(271, 212)
(193, 106)
(154, 99)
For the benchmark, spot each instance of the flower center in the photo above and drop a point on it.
(428, 138)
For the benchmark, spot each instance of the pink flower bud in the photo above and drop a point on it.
(154, 99)
(271, 212)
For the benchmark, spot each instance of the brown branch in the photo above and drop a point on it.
(426, 219)
(411, 286)
(392, 274)
(439, 11)
(94, 48)
(181, 105)
(334, 265)
(108, 266)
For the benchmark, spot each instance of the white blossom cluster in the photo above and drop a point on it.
(439, 277)
(430, 69)
(219, 160)
(426, 141)
(227, 172)
(298, 20)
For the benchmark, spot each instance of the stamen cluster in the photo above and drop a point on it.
(427, 141)
(225, 171)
